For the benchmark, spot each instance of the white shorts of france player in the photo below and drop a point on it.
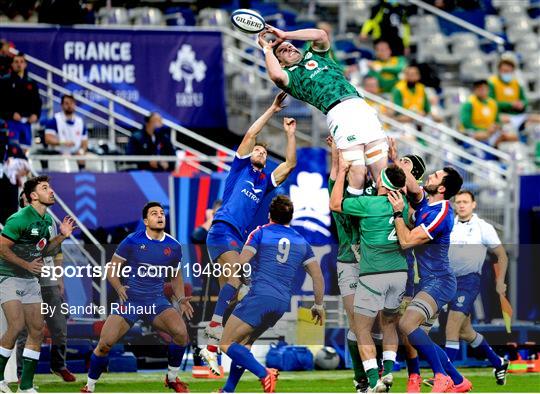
(378, 292)
(348, 274)
(27, 291)
(354, 122)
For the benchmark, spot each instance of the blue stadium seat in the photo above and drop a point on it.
(180, 16)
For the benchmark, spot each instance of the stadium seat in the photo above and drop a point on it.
(180, 16)
(494, 24)
(428, 25)
(213, 17)
(113, 16)
(147, 16)
(473, 68)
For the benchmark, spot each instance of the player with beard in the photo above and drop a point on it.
(315, 78)
(245, 188)
(152, 255)
(431, 240)
(25, 240)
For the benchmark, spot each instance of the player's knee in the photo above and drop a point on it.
(180, 338)
(406, 326)
(35, 330)
(15, 326)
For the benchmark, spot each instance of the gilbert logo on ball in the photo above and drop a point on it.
(247, 21)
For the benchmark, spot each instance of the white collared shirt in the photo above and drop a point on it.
(469, 242)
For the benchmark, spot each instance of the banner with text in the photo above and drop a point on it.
(177, 73)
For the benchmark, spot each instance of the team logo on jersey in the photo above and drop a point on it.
(34, 231)
(311, 65)
(460, 301)
(233, 243)
(41, 244)
(142, 247)
(167, 251)
(308, 56)
(486, 111)
(252, 194)
(50, 231)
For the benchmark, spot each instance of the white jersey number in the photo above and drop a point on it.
(284, 247)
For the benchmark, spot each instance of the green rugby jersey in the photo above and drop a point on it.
(31, 233)
(347, 226)
(379, 246)
(318, 80)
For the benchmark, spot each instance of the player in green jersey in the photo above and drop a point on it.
(315, 78)
(383, 269)
(25, 240)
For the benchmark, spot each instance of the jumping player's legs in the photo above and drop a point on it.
(113, 330)
(171, 322)
(376, 156)
(357, 172)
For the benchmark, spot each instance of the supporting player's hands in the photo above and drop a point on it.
(343, 165)
(329, 141)
(278, 103)
(392, 150)
(317, 314)
(396, 201)
(185, 307)
(500, 287)
(67, 226)
(289, 124)
(35, 266)
(122, 293)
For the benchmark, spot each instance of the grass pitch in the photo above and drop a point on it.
(308, 382)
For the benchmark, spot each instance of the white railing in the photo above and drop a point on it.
(460, 22)
(111, 115)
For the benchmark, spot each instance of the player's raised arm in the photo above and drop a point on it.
(319, 38)
(407, 238)
(284, 169)
(247, 144)
(336, 198)
(275, 72)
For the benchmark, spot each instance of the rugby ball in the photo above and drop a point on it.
(327, 358)
(247, 21)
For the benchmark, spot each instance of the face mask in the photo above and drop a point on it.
(411, 85)
(507, 77)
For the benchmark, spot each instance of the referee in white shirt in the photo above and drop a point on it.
(470, 239)
(66, 131)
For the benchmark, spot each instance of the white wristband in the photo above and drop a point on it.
(318, 307)
(266, 50)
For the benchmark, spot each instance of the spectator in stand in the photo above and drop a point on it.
(52, 293)
(480, 117)
(509, 94)
(153, 140)
(13, 168)
(66, 131)
(20, 101)
(198, 236)
(410, 94)
(5, 58)
(386, 68)
(371, 85)
(388, 21)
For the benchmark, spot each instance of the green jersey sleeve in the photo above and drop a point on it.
(12, 229)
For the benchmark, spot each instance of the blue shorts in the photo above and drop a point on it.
(468, 288)
(22, 132)
(260, 311)
(146, 309)
(222, 238)
(441, 288)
